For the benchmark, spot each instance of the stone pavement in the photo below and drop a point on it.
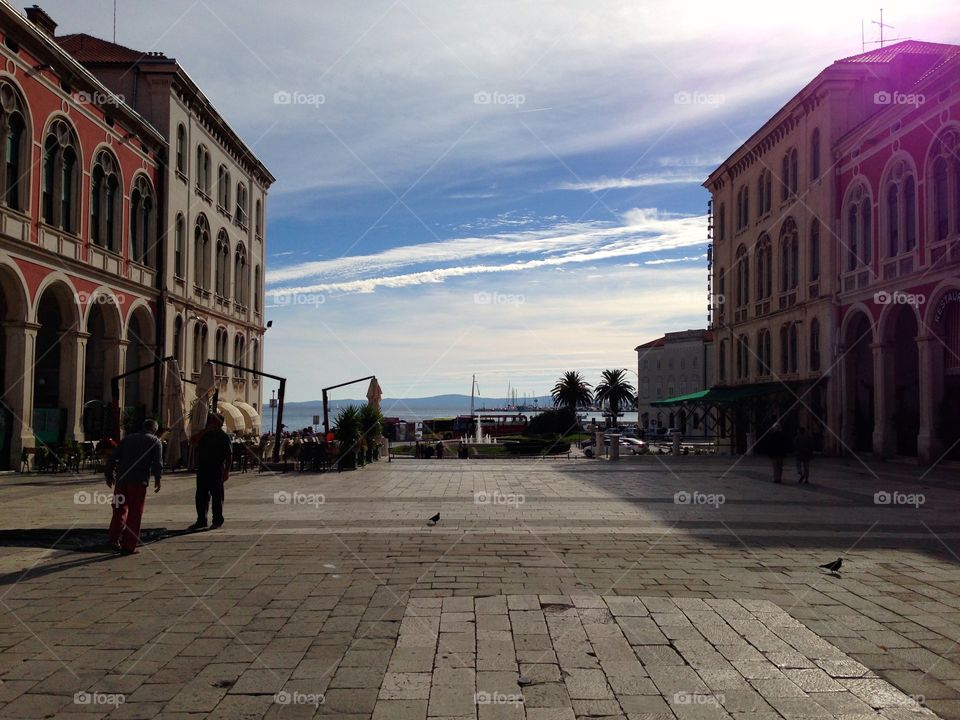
(648, 588)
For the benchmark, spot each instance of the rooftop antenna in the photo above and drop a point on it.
(882, 41)
(114, 20)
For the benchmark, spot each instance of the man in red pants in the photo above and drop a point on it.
(138, 456)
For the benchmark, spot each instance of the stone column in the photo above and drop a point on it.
(73, 356)
(121, 367)
(883, 437)
(21, 340)
(931, 366)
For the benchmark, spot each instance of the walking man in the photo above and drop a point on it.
(214, 455)
(777, 450)
(803, 451)
(133, 461)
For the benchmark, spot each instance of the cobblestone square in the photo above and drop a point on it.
(611, 589)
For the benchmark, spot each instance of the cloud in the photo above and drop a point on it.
(626, 183)
(643, 231)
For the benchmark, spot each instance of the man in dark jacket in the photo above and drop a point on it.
(132, 462)
(777, 449)
(214, 456)
(803, 451)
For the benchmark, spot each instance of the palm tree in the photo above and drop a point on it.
(615, 390)
(571, 391)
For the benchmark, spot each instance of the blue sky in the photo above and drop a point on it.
(504, 188)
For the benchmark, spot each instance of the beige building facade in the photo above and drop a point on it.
(214, 254)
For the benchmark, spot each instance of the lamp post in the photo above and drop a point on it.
(273, 405)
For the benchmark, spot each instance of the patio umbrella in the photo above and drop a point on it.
(174, 415)
(374, 394)
(201, 408)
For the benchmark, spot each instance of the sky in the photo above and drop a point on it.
(506, 188)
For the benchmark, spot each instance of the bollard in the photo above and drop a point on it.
(614, 447)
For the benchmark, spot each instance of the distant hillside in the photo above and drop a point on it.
(456, 404)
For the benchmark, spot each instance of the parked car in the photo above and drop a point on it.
(635, 446)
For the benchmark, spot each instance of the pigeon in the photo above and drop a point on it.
(434, 520)
(834, 566)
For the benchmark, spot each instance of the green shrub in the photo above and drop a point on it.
(552, 422)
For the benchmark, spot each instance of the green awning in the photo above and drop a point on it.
(725, 395)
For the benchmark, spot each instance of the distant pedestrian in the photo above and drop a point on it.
(440, 450)
(777, 448)
(462, 452)
(133, 461)
(803, 452)
(213, 452)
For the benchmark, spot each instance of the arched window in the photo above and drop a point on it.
(61, 177)
(764, 192)
(945, 197)
(203, 170)
(105, 198)
(900, 210)
(220, 351)
(240, 215)
(793, 336)
(223, 189)
(142, 221)
(815, 345)
(255, 359)
(721, 361)
(720, 300)
(789, 256)
(764, 267)
(257, 290)
(199, 346)
(743, 357)
(259, 219)
(858, 228)
(240, 280)
(722, 223)
(15, 146)
(743, 277)
(763, 352)
(178, 340)
(789, 169)
(222, 271)
(178, 239)
(239, 355)
(815, 250)
(815, 154)
(181, 149)
(201, 253)
(784, 350)
(743, 207)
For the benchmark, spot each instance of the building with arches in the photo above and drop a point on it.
(212, 295)
(80, 264)
(834, 303)
(898, 228)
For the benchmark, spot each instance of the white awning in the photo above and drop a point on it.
(232, 416)
(251, 416)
